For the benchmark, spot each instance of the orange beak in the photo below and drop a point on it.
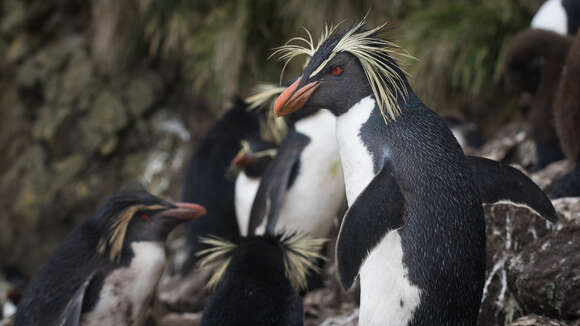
(185, 211)
(292, 99)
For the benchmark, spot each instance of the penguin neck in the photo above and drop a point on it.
(361, 152)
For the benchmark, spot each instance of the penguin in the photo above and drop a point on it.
(206, 177)
(559, 16)
(567, 117)
(258, 279)
(533, 65)
(414, 232)
(251, 163)
(106, 270)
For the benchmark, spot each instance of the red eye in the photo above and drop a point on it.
(336, 71)
(145, 216)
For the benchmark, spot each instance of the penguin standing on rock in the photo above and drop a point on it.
(414, 232)
(107, 269)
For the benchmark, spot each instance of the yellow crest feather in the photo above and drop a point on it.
(372, 52)
(272, 128)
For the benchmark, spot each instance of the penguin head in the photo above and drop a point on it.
(344, 68)
(254, 156)
(129, 217)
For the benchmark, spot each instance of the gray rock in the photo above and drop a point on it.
(535, 320)
(545, 276)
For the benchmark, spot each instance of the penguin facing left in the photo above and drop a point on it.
(258, 279)
(106, 270)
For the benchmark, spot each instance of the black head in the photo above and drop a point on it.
(139, 216)
(345, 68)
(254, 156)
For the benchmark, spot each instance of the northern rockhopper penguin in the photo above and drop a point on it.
(567, 116)
(258, 279)
(106, 270)
(414, 232)
(206, 177)
(533, 65)
(559, 16)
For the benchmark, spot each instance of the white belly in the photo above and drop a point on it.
(552, 17)
(382, 275)
(127, 292)
(312, 203)
(387, 296)
(356, 160)
(246, 189)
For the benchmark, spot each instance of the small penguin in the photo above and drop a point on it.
(106, 270)
(567, 116)
(251, 162)
(414, 231)
(206, 179)
(559, 16)
(533, 65)
(258, 279)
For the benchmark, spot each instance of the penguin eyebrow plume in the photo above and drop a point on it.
(263, 95)
(118, 229)
(300, 255)
(375, 54)
(219, 252)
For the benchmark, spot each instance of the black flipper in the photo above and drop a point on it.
(72, 312)
(270, 194)
(499, 182)
(379, 209)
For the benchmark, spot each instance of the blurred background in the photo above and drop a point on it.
(102, 95)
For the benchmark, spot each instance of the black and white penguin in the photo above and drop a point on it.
(206, 176)
(257, 280)
(302, 186)
(533, 65)
(567, 117)
(106, 270)
(559, 16)
(414, 232)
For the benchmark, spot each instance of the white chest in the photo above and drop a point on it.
(127, 292)
(312, 203)
(246, 189)
(387, 296)
(357, 162)
(552, 17)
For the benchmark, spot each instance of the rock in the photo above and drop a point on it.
(545, 276)
(180, 319)
(140, 96)
(547, 175)
(568, 209)
(509, 229)
(503, 146)
(106, 117)
(535, 320)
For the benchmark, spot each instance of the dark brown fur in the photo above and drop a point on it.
(567, 105)
(526, 46)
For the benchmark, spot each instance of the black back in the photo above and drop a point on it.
(572, 8)
(254, 289)
(57, 280)
(205, 178)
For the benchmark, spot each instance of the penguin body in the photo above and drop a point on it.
(258, 283)
(206, 180)
(106, 270)
(309, 190)
(559, 16)
(414, 231)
